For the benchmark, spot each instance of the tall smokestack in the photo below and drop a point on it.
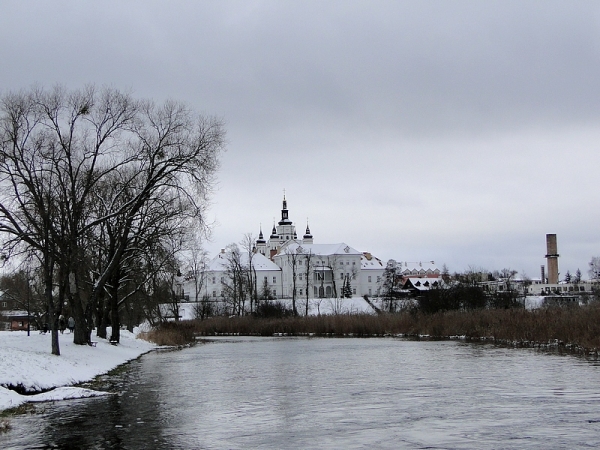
(543, 272)
(552, 258)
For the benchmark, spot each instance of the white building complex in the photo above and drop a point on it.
(284, 263)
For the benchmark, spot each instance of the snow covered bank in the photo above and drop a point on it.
(354, 305)
(27, 361)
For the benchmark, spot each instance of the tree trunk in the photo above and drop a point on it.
(81, 334)
(115, 335)
(103, 314)
(295, 311)
(52, 316)
(114, 320)
(89, 314)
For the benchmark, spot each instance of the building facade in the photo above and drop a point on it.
(287, 266)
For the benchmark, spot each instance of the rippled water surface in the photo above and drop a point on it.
(296, 393)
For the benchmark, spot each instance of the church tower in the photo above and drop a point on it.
(274, 241)
(261, 244)
(285, 228)
(282, 232)
(307, 238)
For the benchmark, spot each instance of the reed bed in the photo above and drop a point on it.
(171, 334)
(576, 326)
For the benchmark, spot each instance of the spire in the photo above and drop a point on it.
(284, 200)
(261, 239)
(285, 220)
(307, 235)
(307, 239)
(274, 233)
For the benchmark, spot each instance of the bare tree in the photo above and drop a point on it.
(58, 148)
(198, 262)
(595, 268)
(445, 274)
(292, 258)
(234, 283)
(307, 261)
(248, 244)
(388, 286)
(508, 275)
(473, 275)
(336, 305)
(526, 280)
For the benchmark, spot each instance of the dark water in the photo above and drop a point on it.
(331, 394)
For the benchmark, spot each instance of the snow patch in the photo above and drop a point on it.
(27, 362)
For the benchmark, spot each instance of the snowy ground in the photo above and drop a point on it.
(27, 361)
(352, 305)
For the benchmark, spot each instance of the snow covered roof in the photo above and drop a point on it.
(420, 267)
(370, 262)
(319, 249)
(421, 284)
(259, 261)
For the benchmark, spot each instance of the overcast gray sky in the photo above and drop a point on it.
(455, 131)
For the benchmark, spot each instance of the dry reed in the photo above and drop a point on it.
(576, 326)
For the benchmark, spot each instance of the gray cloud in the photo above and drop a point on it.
(455, 131)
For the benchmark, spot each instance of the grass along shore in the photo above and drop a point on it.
(575, 328)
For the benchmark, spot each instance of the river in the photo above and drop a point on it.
(319, 393)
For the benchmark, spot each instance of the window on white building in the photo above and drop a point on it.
(300, 291)
(274, 279)
(341, 276)
(214, 280)
(214, 293)
(369, 279)
(354, 291)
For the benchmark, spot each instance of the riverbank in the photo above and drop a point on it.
(576, 328)
(29, 367)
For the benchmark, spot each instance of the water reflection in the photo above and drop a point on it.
(331, 393)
